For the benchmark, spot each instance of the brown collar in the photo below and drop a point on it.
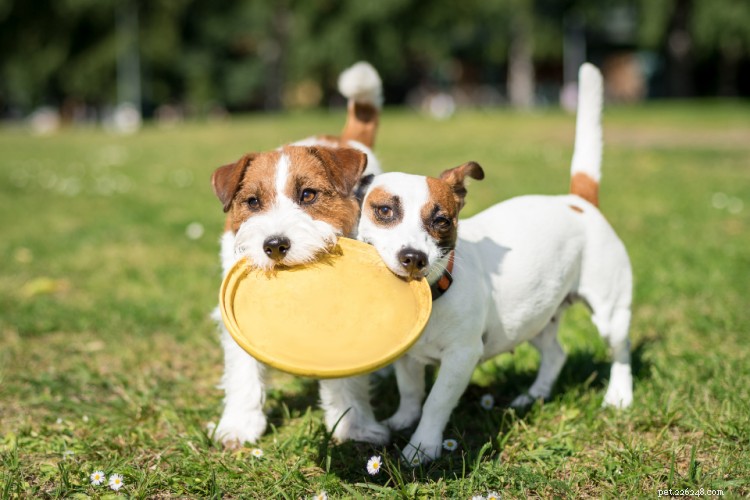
(444, 283)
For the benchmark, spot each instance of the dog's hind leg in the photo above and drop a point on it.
(411, 390)
(615, 330)
(243, 419)
(348, 412)
(552, 359)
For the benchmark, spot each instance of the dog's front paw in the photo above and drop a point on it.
(234, 433)
(368, 432)
(421, 454)
(523, 401)
(404, 418)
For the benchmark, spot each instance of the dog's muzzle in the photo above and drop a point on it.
(276, 247)
(413, 262)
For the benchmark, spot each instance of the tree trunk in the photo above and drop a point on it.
(521, 59)
(679, 51)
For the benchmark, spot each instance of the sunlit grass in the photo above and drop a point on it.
(108, 359)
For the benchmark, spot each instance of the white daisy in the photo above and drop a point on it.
(374, 465)
(321, 496)
(115, 481)
(450, 444)
(478, 497)
(256, 452)
(493, 495)
(97, 477)
(487, 402)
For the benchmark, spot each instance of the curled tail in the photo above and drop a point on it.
(361, 85)
(586, 168)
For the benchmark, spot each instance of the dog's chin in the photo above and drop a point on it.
(401, 273)
(260, 261)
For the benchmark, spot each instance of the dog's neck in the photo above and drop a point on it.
(441, 279)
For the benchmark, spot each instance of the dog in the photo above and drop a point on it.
(285, 208)
(500, 278)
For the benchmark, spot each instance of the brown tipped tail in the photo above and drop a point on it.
(583, 185)
(587, 156)
(361, 123)
(362, 86)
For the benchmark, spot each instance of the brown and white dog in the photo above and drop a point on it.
(518, 266)
(285, 207)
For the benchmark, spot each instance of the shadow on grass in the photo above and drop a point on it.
(478, 432)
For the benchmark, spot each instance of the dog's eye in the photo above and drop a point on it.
(253, 202)
(441, 223)
(384, 211)
(308, 196)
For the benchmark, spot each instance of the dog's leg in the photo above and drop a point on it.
(348, 412)
(453, 377)
(244, 394)
(552, 359)
(620, 389)
(411, 389)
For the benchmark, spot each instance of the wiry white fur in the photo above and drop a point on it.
(587, 155)
(518, 266)
(361, 82)
(308, 236)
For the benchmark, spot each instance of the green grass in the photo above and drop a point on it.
(108, 359)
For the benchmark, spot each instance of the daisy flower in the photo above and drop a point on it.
(321, 496)
(374, 465)
(97, 477)
(450, 444)
(256, 452)
(115, 481)
(487, 402)
(478, 497)
(493, 495)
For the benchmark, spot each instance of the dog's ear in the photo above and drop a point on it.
(344, 166)
(226, 179)
(455, 178)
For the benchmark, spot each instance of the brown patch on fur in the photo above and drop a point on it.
(455, 178)
(442, 203)
(361, 123)
(258, 181)
(329, 141)
(584, 186)
(380, 197)
(226, 179)
(576, 209)
(332, 174)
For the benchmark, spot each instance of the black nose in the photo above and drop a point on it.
(412, 260)
(276, 247)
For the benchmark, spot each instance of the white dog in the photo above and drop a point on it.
(518, 266)
(285, 207)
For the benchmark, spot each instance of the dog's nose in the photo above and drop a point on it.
(412, 260)
(276, 247)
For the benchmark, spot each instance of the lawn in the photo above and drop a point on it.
(109, 361)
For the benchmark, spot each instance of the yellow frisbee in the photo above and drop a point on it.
(343, 315)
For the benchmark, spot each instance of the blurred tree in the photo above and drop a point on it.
(723, 27)
(255, 53)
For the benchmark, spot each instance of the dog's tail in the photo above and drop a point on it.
(586, 168)
(361, 85)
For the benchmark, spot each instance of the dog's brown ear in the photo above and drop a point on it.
(344, 166)
(226, 179)
(455, 178)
